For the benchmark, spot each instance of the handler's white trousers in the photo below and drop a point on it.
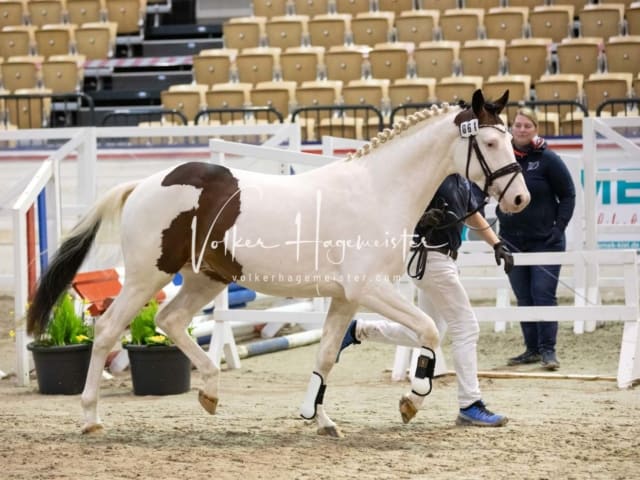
(442, 296)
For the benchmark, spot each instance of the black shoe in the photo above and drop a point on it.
(524, 358)
(349, 338)
(549, 361)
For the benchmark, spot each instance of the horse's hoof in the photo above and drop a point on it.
(330, 432)
(92, 428)
(407, 409)
(208, 403)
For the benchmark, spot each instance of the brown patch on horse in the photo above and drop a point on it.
(487, 113)
(219, 202)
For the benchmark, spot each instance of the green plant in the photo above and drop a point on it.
(143, 327)
(65, 326)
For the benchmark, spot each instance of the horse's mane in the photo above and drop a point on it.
(399, 127)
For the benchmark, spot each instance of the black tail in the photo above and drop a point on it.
(55, 281)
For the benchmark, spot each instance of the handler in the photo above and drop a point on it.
(441, 294)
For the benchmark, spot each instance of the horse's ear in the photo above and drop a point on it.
(502, 101)
(477, 102)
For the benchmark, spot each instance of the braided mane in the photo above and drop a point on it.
(400, 126)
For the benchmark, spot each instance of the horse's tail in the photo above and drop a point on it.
(69, 257)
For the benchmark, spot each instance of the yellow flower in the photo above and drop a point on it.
(81, 338)
(12, 333)
(156, 340)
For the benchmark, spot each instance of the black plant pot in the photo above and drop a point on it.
(61, 370)
(158, 369)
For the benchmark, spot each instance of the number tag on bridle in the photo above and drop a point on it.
(469, 128)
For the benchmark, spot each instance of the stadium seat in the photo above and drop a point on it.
(301, 64)
(506, 23)
(454, 89)
(580, 55)
(96, 40)
(329, 30)
(599, 87)
(215, 65)
(484, 4)
(528, 56)
(187, 99)
(16, 40)
(85, 11)
(561, 86)
(287, 31)
(483, 57)
(622, 54)
(462, 24)
(519, 87)
(370, 28)
(311, 7)
(390, 60)
(440, 5)
(260, 64)
(63, 73)
(352, 7)
(42, 12)
(530, 4)
(33, 111)
(552, 21)
(345, 63)
(437, 59)
(12, 13)
(270, 8)
(601, 20)
(21, 72)
(244, 32)
(412, 90)
(320, 93)
(417, 26)
(55, 39)
(228, 95)
(279, 95)
(130, 17)
(632, 14)
(396, 6)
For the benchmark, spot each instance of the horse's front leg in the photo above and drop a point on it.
(383, 298)
(340, 314)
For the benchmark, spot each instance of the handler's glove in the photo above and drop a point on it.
(502, 253)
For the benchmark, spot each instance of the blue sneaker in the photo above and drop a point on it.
(477, 414)
(349, 338)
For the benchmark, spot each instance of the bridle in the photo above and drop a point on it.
(469, 129)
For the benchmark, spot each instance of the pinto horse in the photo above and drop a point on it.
(340, 231)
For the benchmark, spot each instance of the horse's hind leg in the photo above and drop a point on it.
(340, 313)
(197, 290)
(108, 328)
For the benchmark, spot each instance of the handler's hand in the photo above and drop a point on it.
(502, 253)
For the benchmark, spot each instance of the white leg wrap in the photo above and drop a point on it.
(314, 396)
(421, 379)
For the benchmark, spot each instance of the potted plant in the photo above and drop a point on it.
(158, 367)
(62, 353)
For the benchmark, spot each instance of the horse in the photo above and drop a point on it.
(339, 231)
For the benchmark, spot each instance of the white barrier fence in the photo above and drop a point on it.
(591, 310)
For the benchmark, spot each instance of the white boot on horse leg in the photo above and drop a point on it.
(421, 384)
(312, 407)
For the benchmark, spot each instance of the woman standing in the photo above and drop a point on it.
(538, 228)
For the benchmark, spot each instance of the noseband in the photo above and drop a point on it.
(469, 129)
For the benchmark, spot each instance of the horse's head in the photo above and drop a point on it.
(485, 155)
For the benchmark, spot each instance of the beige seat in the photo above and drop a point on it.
(188, 99)
(216, 65)
(345, 63)
(42, 12)
(302, 64)
(530, 4)
(396, 6)
(622, 54)
(352, 7)
(12, 13)
(552, 21)
(528, 56)
(412, 90)
(561, 87)
(32, 111)
(484, 4)
(85, 11)
(369, 92)
(548, 123)
(417, 26)
(390, 60)
(281, 96)
(632, 14)
(16, 40)
(600, 87)
(21, 72)
(455, 89)
(483, 57)
(63, 73)
(370, 28)
(580, 55)
(130, 17)
(329, 30)
(462, 24)
(287, 31)
(440, 5)
(258, 64)
(601, 20)
(437, 59)
(96, 40)
(55, 39)
(323, 93)
(311, 7)
(244, 32)
(270, 8)
(519, 87)
(506, 23)
(228, 96)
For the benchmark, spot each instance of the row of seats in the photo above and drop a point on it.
(58, 73)
(94, 40)
(368, 28)
(385, 95)
(274, 8)
(440, 59)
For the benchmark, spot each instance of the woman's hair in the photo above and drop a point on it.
(529, 113)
